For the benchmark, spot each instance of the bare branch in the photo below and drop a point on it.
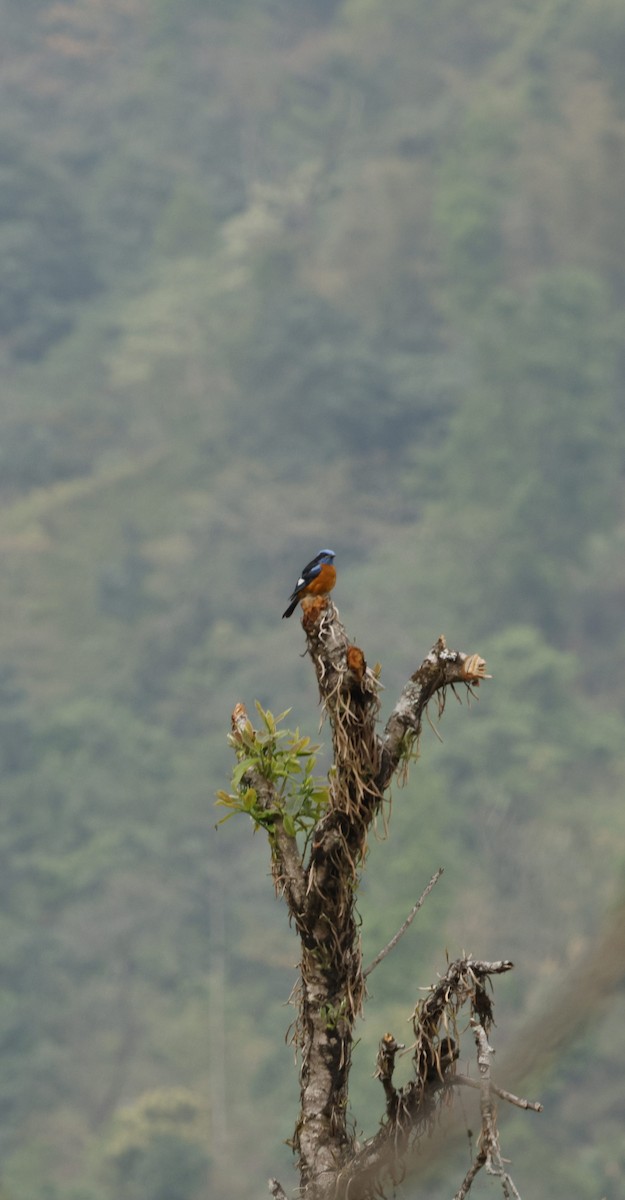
(474, 1169)
(441, 668)
(481, 968)
(509, 1097)
(493, 1163)
(287, 869)
(463, 980)
(407, 923)
(385, 1066)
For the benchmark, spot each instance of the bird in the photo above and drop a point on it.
(317, 579)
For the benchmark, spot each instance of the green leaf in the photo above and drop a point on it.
(239, 771)
(289, 825)
(248, 799)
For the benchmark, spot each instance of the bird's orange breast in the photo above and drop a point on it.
(323, 582)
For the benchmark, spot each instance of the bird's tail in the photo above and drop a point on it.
(288, 612)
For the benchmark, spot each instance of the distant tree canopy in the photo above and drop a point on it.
(48, 265)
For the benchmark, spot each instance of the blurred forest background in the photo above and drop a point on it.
(278, 274)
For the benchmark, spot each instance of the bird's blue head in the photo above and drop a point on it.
(325, 556)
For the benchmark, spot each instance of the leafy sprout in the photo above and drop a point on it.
(287, 761)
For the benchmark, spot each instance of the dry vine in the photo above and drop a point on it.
(319, 886)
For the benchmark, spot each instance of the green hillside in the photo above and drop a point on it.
(282, 274)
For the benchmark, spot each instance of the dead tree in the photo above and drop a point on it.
(318, 840)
